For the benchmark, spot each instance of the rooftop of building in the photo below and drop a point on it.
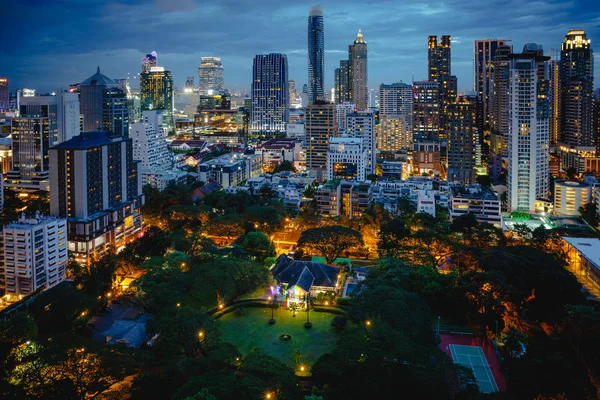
(278, 144)
(588, 247)
(228, 159)
(27, 222)
(571, 184)
(393, 85)
(90, 139)
(191, 143)
(474, 192)
(98, 79)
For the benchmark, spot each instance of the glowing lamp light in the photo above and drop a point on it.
(221, 306)
(368, 323)
(178, 304)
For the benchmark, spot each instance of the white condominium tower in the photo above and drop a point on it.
(529, 125)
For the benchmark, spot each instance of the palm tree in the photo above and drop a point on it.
(293, 307)
(308, 300)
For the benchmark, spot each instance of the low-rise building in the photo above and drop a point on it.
(583, 255)
(230, 169)
(344, 197)
(483, 203)
(570, 196)
(394, 169)
(346, 158)
(186, 145)
(426, 158)
(274, 151)
(426, 202)
(34, 254)
(160, 179)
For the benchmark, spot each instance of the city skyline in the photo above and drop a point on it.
(396, 50)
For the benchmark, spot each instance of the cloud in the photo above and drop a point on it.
(115, 34)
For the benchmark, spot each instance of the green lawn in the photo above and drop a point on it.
(252, 330)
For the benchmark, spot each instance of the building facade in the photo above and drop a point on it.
(316, 55)
(498, 98)
(357, 56)
(361, 124)
(528, 138)
(34, 254)
(211, 75)
(230, 169)
(464, 153)
(484, 54)
(397, 99)
(483, 203)
(4, 95)
(150, 141)
(320, 125)
(68, 115)
(576, 88)
(346, 158)
(33, 133)
(270, 95)
(570, 196)
(97, 186)
(393, 134)
(426, 111)
(156, 93)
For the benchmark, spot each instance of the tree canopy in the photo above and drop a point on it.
(330, 241)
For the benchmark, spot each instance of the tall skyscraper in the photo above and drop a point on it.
(211, 75)
(97, 186)
(104, 104)
(439, 57)
(270, 94)
(577, 85)
(156, 93)
(361, 124)
(426, 111)
(357, 55)
(4, 95)
(397, 99)
(115, 111)
(316, 55)
(463, 139)
(554, 67)
(343, 82)
(33, 132)
(320, 125)
(484, 53)
(528, 140)
(151, 60)
(499, 105)
(68, 115)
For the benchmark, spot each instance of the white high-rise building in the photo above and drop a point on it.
(341, 112)
(68, 115)
(150, 141)
(397, 99)
(34, 254)
(529, 129)
(346, 158)
(361, 124)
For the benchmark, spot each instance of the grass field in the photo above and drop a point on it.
(252, 330)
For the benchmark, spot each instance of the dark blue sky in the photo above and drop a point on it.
(47, 44)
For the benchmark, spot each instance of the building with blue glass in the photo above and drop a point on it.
(270, 94)
(316, 55)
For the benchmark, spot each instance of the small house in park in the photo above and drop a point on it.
(302, 277)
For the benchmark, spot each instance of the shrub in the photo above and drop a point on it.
(343, 301)
(339, 322)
